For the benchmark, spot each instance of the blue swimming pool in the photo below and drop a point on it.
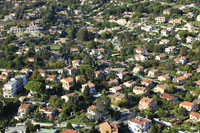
(97, 95)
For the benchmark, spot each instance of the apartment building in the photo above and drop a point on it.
(139, 125)
(14, 85)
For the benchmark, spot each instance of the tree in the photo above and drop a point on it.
(34, 86)
(171, 88)
(86, 92)
(161, 113)
(105, 35)
(189, 97)
(69, 125)
(183, 34)
(92, 129)
(102, 108)
(84, 35)
(182, 111)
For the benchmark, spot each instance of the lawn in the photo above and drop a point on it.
(29, 10)
(197, 23)
(80, 119)
(53, 46)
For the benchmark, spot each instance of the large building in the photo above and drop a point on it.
(14, 85)
(139, 125)
(146, 103)
(108, 128)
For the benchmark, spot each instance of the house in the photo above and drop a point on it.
(98, 51)
(105, 62)
(108, 71)
(148, 28)
(187, 75)
(115, 89)
(180, 80)
(38, 48)
(161, 57)
(70, 69)
(105, 127)
(139, 90)
(164, 42)
(51, 78)
(113, 82)
(6, 74)
(190, 39)
(160, 88)
(115, 97)
(121, 22)
(67, 82)
(80, 78)
(22, 109)
(74, 50)
(175, 21)
(76, 63)
(48, 112)
(139, 125)
(194, 117)
(141, 50)
(138, 69)
(170, 49)
(189, 106)
(147, 82)
(153, 73)
(98, 74)
(69, 131)
(198, 70)
(129, 84)
(31, 59)
(91, 112)
(9, 17)
(164, 77)
(197, 83)
(164, 32)
(140, 57)
(160, 20)
(67, 96)
(146, 103)
(25, 71)
(122, 75)
(181, 60)
(169, 97)
(90, 85)
(42, 72)
(77, 12)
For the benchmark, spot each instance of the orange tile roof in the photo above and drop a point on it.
(198, 82)
(195, 114)
(181, 78)
(147, 81)
(167, 96)
(92, 107)
(116, 88)
(188, 104)
(105, 126)
(24, 106)
(68, 79)
(146, 100)
(51, 76)
(140, 120)
(69, 131)
(140, 88)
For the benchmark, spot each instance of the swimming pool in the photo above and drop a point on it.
(97, 95)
